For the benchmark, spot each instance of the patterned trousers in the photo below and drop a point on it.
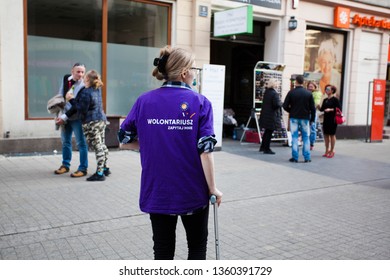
(95, 134)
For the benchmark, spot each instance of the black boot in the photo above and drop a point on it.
(96, 177)
(261, 149)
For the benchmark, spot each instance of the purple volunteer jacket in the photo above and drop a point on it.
(169, 121)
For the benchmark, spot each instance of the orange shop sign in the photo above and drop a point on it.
(341, 17)
(342, 20)
(370, 21)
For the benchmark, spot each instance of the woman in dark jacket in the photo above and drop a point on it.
(270, 115)
(89, 107)
(329, 125)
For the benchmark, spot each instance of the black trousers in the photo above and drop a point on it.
(164, 234)
(266, 140)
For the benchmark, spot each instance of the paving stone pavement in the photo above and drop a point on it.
(272, 209)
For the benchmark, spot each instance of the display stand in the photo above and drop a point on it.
(264, 71)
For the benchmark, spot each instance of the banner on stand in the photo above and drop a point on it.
(378, 110)
(213, 87)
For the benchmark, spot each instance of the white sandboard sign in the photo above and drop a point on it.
(213, 87)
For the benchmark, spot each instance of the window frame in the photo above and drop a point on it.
(104, 43)
(343, 54)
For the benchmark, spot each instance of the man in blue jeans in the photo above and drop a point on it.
(299, 103)
(70, 123)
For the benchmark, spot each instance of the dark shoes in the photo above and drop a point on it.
(269, 151)
(96, 177)
(63, 169)
(294, 160)
(107, 172)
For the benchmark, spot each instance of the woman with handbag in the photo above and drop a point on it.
(329, 126)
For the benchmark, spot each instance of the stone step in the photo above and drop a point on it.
(386, 132)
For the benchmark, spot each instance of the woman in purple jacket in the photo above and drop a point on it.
(174, 127)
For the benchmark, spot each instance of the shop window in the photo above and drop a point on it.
(136, 32)
(60, 33)
(325, 54)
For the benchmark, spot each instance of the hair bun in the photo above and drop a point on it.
(160, 63)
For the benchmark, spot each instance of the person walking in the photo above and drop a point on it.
(174, 126)
(317, 95)
(270, 114)
(299, 103)
(329, 126)
(90, 111)
(71, 124)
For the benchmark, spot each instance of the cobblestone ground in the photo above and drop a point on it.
(273, 210)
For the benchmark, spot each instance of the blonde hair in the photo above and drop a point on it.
(94, 79)
(177, 61)
(272, 83)
(328, 46)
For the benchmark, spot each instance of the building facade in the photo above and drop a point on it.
(346, 41)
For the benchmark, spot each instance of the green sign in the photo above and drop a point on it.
(233, 21)
(273, 4)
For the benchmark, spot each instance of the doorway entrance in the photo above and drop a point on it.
(239, 53)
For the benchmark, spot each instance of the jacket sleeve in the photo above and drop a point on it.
(337, 103)
(286, 103)
(312, 110)
(80, 104)
(130, 122)
(71, 111)
(322, 108)
(276, 102)
(83, 103)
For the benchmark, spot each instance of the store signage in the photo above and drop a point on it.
(388, 54)
(342, 20)
(370, 22)
(203, 11)
(213, 87)
(233, 21)
(273, 4)
(378, 110)
(341, 17)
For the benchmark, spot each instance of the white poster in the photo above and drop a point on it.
(213, 87)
